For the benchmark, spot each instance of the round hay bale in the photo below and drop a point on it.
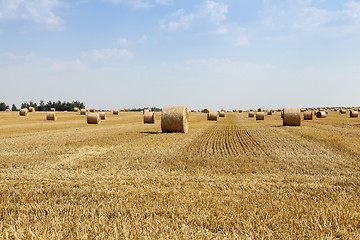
(240, 110)
(269, 112)
(116, 112)
(251, 114)
(354, 114)
(222, 110)
(24, 112)
(83, 112)
(174, 119)
(149, 117)
(221, 114)
(260, 116)
(308, 115)
(292, 117)
(192, 110)
(321, 114)
(76, 109)
(102, 115)
(205, 110)
(342, 111)
(52, 109)
(92, 109)
(51, 116)
(212, 116)
(7, 110)
(251, 110)
(126, 109)
(93, 118)
(260, 110)
(31, 109)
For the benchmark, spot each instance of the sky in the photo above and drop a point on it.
(232, 54)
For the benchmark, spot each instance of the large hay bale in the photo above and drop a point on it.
(212, 116)
(149, 117)
(291, 117)
(51, 116)
(102, 115)
(76, 109)
(260, 116)
(321, 114)
(93, 118)
(354, 114)
(222, 114)
(92, 109)
(83, 112)
(116, 112)
(251, 114)
(24, 112)
(31, 109)
(308, 115)
(52, 109)
(174, 119)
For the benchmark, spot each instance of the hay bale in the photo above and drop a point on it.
(31, 109)
(269, 112)
(92, 109)
(7, 110)
(342, 111)
(321, 114)
(93, 118)
(222, 110)
(240, 110)
(51, 116)
(52, 109)
(76, 109)
(116, 112)
(260, 116)
(192, 110)
(308, 115)
(174, 119)
(212, 116)
(126, 109)
(102, 115)
(149, 117)
(83, 112)
(24, 112)
(292, 117)
(260, 110)
(354, 114)
(251, 114)
(205, 110)
(222, 114)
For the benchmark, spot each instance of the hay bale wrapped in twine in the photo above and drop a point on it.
(102, 115)
(149, 117)
(321, 114)
(222, 114)
(212, 116)
(251, 114)
(76, 109)
(51, 116)
(174, 119)
(92, 109)
(308, 115)
(83, 112)
(116, 112)
(31, 109)
(7, 110)
(260, 116)
(292, 117)
(354, 114)
(52, 109)
(93, 118)
(24, 112)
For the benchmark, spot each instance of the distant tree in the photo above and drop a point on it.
(41, 106)
(24, 105)
(3, 106)
(14, 108)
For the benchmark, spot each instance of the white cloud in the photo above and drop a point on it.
(164, 2)
(107, 53)
(124, 42)
(216, 11)
(75, 65)
(39, 11)
(242, 41)
(15, 57)
(352, 9)
(132, 3)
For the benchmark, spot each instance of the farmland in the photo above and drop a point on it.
(235, 178)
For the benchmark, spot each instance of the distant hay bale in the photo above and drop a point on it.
(149, 117)
(52, 109)
(83, 112)
(260, 116)
(126, 109)
(116, 112)
(212, 116)
(251, 114)
(174, 119)
(102, 115)
(122, 110)
(251, 110)
(321, 114)
(31, 109)
(7, 110)
(76, 109)
(192, 110)
(222, 110)
(109, 110)
(308, 115)
(221, 114)
(205, 110)
(93, 118)
(291, 117)
(92, 109)
(240, 110)
(51, 116)
(24, 112)
(260, 110)
(342, 111)
(269, 112)
(354, 114)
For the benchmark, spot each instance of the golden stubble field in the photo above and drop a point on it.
(236, 178)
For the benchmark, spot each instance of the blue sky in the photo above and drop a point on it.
(209, 53)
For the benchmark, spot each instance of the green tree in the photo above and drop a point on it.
(3, 106)
(14, 108)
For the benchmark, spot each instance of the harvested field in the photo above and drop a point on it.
(235, 178)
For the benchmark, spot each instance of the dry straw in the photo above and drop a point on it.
(116, 112)
(24, 112)
(92, 109)
(93, 118)
(308, 115)
(31, 109)
(321, 114)
(102, 115)
(260, 116)
(212, 116)
(251, 114)
(354, 114)
(51, 116)
(222, 114)
(52, 109)
(149, 117)
(291, 117)
(174, 119)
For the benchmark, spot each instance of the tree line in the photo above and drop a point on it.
(42, 106)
